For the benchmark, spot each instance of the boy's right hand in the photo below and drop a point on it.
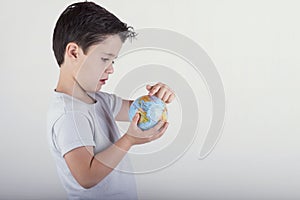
(137, 136)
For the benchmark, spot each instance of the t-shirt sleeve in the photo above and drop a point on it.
(73, 130)
(115, 104)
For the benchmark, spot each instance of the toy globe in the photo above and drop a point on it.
(151, 109)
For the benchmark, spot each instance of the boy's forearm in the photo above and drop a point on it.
(114, 154)
(123, 113)
(105, 161)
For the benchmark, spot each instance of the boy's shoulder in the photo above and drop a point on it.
(62, 103)
(65, 103)
(109, 98)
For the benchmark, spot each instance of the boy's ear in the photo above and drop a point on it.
(72, 51)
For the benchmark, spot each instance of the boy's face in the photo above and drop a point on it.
(94, 68)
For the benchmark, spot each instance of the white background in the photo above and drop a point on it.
(255, 47)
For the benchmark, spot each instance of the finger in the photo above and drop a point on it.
(158, 125)
(148, 87)
(161, 93)
(155, 137)
(164, 127)
(171, 98)
(161, 132)
(154, 89)
(167, 96)
(136, 118)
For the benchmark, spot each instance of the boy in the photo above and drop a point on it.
(82, 132)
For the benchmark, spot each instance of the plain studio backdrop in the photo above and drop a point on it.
(255, 47)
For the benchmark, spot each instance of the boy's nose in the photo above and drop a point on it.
(110, 69)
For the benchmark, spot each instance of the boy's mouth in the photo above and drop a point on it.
(102, 81)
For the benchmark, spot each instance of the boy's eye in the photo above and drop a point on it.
(105, 59)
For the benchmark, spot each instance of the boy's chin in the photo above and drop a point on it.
(98, 88)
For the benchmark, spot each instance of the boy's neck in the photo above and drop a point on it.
(70, 86)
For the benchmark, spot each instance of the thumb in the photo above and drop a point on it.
(148, 87)
(136, 118)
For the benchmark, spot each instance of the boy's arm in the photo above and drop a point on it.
(89, 169)
(123, 113)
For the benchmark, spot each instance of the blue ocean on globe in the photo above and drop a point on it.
(151, 110)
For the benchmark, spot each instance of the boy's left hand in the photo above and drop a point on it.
(162, 91)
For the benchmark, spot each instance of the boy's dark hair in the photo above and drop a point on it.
(86, 24)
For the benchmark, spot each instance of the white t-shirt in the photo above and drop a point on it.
(72, 123)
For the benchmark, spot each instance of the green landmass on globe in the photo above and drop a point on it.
(151, 109)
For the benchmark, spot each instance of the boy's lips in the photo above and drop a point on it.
(103, 80)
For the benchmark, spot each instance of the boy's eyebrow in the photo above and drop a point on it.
(110, 54)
